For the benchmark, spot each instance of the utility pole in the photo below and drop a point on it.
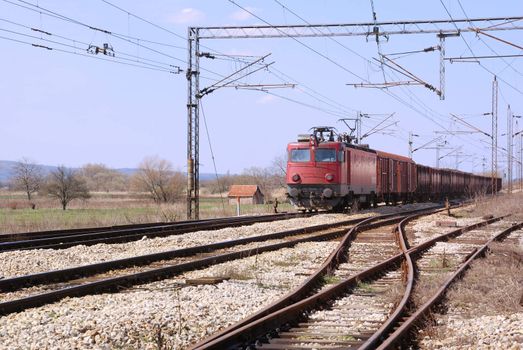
(193, 124)
(494, 134)
(457, 150)
(442, 37)
(459, 155)
(359, 117)
(411, 135)
(509, 149)
(521, 161)
(438, 148)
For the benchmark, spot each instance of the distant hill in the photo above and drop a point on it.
(6, 171)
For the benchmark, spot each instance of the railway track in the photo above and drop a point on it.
(41, 288)
(61, 239)
(34, 290)
(356, 312)
(477, 240)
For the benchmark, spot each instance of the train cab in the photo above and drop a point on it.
(314, 171)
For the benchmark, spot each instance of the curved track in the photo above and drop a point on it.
(294, 305)
(350, 314)
(403, 326)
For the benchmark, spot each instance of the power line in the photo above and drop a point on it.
(145, 20)
(47, 12)
(71, 20)
(413, 97)
(81, 54)
(488, 46)
(74, 41)
(352, 51)
(326, 111)
(212, 156)
(122, 37)
(473, 54)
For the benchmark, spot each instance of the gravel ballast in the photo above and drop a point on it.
(24, 262)
(131, 319)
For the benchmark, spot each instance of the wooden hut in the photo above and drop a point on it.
(248, 194)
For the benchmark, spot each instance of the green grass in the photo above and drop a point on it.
(108, 209)
(330, 279)
(21, 220)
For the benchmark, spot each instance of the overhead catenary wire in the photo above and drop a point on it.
(220, 186)
(82, 54)
(131, 40)
(473, 54)
(75, 41)
(43, 11)
(232, 57)
(350, 50)
(413, 97)
(488, 46)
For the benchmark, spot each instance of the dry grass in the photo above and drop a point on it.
(428, 285)
(106, 209)
(492, 286)
(499, 205)
(495, 283)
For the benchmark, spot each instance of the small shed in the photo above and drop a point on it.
(248, 194)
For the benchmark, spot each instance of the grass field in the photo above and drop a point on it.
(106, 209)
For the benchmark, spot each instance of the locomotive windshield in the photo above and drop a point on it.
(300, 155)
(325, 155)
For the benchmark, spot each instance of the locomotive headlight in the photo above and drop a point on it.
(329, 177)
(327, 193)
(295, 177)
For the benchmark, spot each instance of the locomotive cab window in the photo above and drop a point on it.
(325, 155)
(300, 155)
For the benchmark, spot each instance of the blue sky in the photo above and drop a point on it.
(60, 108)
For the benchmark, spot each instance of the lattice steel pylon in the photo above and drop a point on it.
(509, 149)
(494, 134)
(193, 125)
(195, 34)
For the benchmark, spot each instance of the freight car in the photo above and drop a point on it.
(326, 171)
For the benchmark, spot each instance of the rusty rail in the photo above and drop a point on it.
(406, 326)
(116, 283)
(68, 238)
(246, 333)
(15, 283)
(249, 328)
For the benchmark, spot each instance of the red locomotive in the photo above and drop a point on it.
(326, 171)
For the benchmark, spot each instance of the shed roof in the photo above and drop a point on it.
(243, 190)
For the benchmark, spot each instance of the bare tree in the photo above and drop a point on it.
(156, 176)
(27, 177)
(66, 185)
(101, 178)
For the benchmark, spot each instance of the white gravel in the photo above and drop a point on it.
(485, 332)
(185, 314)
(23, 262)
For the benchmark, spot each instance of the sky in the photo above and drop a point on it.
(74, 107)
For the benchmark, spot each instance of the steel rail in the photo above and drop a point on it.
(132, 234)
(19, 236)
(259, 328)
(116, 283)
(420, 313)
(303, 290)
(18, 282)
(373, 340)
